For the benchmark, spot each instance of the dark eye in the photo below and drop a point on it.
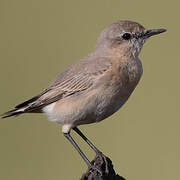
(126, 36)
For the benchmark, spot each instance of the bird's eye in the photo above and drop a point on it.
(126, 36)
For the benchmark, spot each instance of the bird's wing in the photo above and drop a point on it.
(76, 78)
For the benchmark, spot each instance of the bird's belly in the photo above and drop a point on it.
(110, 103)
(88, 107)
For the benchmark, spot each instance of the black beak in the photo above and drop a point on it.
(153, 32)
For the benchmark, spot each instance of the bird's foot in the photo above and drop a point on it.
(96, 171)
(102, 169)
(102, 162)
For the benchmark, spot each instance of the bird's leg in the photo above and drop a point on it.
(68, 136)
(87, 140)
(97, 151)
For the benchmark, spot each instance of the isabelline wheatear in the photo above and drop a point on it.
(96, 86)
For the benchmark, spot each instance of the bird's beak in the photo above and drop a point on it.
(153, 32)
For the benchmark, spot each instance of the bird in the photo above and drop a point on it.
(96, 86)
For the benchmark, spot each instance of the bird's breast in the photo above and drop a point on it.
(130, 73)
(116, 87)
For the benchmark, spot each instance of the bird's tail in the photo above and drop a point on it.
(21, 108)
(13, 112)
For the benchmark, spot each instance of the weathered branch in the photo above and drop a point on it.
(103, 170)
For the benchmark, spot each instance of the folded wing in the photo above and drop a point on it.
(77, 78)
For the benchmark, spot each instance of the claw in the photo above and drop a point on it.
(97, 170)
(103, 159)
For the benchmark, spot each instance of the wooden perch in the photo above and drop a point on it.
(104, 165)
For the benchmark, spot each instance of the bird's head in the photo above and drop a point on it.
(125, 37)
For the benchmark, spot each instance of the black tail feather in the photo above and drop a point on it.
(13, 112)
(27, 102)
(20, 108)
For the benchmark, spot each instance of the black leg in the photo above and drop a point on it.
(68, 136)
(85, 139)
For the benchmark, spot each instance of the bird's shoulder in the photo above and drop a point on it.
(77, 78)
(88, 67)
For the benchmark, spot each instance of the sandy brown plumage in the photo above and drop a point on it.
(75, 79)
(99, 84)
(96, 86)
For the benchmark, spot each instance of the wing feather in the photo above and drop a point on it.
(76, 78)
